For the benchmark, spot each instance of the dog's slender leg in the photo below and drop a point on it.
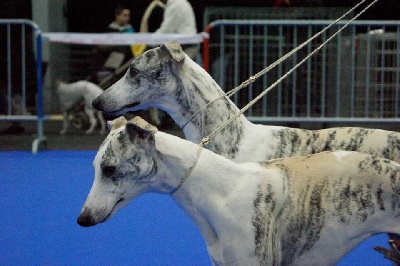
(65, 123)
(92, 120)
(100, 117)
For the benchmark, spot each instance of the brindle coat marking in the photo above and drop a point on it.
(290, 211)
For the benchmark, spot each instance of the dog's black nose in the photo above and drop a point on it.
(96, 103)
(85, 220)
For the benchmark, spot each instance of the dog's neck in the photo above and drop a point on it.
(195, 88)
(179, 158)
(203, 194)
(179, 155)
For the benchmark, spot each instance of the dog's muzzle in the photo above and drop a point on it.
(86, 220)
(97, 104)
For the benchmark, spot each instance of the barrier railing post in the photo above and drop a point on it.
(39, 99)
(12, 65)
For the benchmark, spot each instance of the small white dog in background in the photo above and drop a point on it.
(72, 94)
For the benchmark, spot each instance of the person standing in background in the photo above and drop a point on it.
(121, 25)
(179, 18)
(106, 59)
(121, 22)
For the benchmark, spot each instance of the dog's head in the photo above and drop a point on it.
(150, 76)
(125, 166)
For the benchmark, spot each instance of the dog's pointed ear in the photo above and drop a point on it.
(116, 123)
(175, 50)
(140, 129)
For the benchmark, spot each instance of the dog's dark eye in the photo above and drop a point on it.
(109, 171)
(133, 72)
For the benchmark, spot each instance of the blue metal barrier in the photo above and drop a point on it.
(22, 114)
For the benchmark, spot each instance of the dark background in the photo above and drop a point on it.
(97, 19)
(94, 15)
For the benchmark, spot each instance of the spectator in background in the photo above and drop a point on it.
(179, 18)
(106, 59)
(121, 25)
(121, 22)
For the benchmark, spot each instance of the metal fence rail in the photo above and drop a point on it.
(20, 77)
(355, 78)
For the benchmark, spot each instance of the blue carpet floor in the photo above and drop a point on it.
(41, 196)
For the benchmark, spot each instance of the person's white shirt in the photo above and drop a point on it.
(178, 18)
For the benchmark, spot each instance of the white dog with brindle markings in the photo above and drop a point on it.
(74, 93)
(309, 210)
(166, 78)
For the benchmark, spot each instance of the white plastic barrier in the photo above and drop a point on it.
(122, 39)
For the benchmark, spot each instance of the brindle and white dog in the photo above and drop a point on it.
(166, 78)
(72, 94)
(309, 210)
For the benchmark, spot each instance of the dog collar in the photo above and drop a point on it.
(202, 143)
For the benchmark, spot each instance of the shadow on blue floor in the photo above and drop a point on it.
(41, 196)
